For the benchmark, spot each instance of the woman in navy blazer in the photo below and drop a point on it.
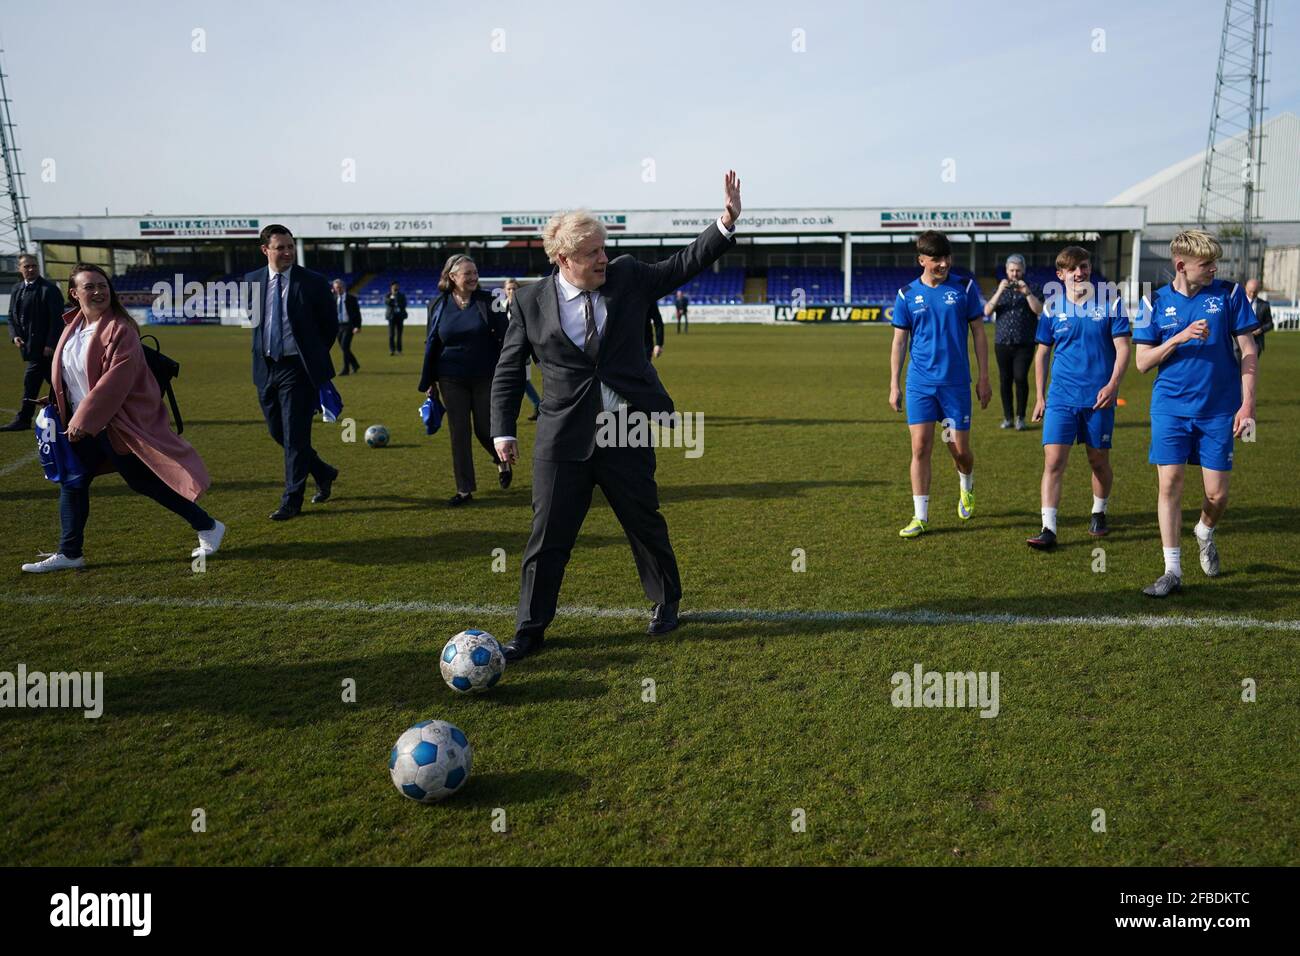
(461, 349)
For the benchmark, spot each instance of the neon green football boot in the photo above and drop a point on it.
(915, 528)
(966, 505)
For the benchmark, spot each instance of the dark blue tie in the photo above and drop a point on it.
(277, 320)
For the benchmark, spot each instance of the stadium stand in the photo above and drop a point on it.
(871, 284)
(874, 284)
(724, 287)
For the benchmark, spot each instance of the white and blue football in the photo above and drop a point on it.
(430, 761)
(377, 436)
(472, 662)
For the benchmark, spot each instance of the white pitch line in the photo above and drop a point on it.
(17, 463)
(758, 615)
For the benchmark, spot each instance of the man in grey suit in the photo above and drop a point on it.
(348, 311)
(1263, 312)
(585, 325)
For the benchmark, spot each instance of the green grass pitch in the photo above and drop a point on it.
(224, 688)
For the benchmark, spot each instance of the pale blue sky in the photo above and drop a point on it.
(584, 93)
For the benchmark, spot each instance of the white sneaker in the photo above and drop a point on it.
(54, 562)
(210, 540)
(1209, 556)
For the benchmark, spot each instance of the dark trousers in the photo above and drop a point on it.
(350, 362)
(36, 371)
(395, 335)
(1013, 368)
(561, 497)
(468, 398)
(683, 320)
(289, 401)
(74, 503)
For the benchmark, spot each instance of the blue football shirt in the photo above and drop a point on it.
(938, 319)
(1200, 379)
(1082, 338)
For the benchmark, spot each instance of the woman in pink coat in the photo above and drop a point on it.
(116, 421)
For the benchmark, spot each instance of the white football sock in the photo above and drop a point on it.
(921, 507)
(1099, 504)
(1202, 532)
(1049, 519)
(1174, 561)
(967, 481)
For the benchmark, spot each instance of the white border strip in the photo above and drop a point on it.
(724, 615)
(18, 463)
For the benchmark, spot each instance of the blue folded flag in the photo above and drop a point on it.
(57, 457)
(331, 402)
(431, 413)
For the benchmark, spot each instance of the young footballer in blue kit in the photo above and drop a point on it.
(932, 316)
(1086, 331)
(1202, 399)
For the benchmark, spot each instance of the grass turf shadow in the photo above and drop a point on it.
(292, 695)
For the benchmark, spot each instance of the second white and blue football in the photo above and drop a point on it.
(472, 662)
(430, 761)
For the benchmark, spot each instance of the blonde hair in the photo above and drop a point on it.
(566, 231)
(1195, 244)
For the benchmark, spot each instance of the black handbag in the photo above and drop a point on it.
(164, 370)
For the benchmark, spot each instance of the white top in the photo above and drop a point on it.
(74, 364)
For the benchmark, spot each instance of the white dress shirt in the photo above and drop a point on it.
(573, 320)
(74, 365)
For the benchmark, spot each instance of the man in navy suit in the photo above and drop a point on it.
(294, 325)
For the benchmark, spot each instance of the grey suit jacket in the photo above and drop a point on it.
(1264, 313)
(571, 400)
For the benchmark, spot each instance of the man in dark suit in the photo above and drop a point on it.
(682, 302)
(1263, 312)
(294, 325)
(395, 314)
(348, 312)
(654, 331)
(585, 326)
(35, 324)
